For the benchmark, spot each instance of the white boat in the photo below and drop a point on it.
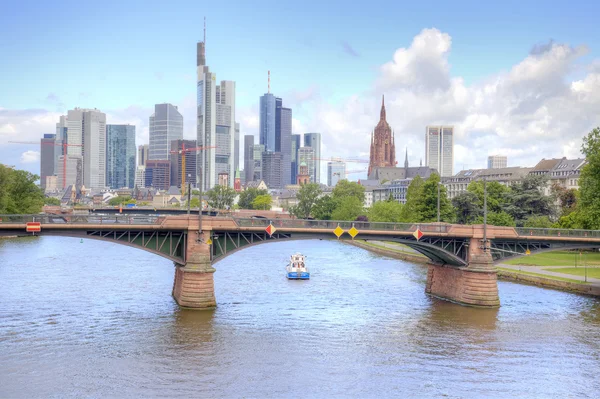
(296, 269)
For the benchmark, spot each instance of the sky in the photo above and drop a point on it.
(516, 78)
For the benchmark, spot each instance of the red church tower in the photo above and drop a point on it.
(383, 148)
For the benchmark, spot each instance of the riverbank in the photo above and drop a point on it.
(391, 252)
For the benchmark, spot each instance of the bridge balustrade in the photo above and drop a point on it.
(532, 231)
(332, 224)
(80, 219)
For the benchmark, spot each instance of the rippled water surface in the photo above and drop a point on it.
(97, 319)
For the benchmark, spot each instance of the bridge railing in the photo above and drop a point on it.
(332, 224)
(80, 219)
(530, 231)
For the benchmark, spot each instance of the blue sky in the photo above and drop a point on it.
(118, 54)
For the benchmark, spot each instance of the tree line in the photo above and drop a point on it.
(19, 193)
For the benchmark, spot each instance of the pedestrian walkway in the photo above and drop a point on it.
(545, 271)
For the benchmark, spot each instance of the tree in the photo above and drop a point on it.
(118, 200)
(18, 192)
(262, 202)
(467, 207)
(247, 197)
(427, 204)
(324, 207)
(194, 202)
(413, 196)
(221, 197)
(497, 219)
(538, 221)
(349, 208)
(385, 211)
(589, 182)
(345, 188)
(496, 194)
(51, 201)
(526, 199)
(307, 197)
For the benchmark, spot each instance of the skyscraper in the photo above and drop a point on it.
(249, 157)
(158, 174)
(61, 137)
(142, 156)
(497, 161)
(313, 140)
(177, 158)
(225, 131)
(272, 169)
(166, 125)
(267, 121)
(47, 158)
(236, 148)
(120, 156)
(284, 143)
(257, 155)
(86, 137)
(306, 155)
(439, 149)
(336, 171)
(296, 143)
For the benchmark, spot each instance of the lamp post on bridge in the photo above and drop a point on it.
(484, 214)
(438, 201)
(189, 193)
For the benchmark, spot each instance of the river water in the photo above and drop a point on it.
(96, 319)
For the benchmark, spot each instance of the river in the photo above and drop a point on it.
(96, 319)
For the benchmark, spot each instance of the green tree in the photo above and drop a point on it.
(194, 202)
(497, 219)
(307, 197)
(348, 208)
(427, 204)
(221, 197)
(496, 194)
(51, 201)
(118, 200)
(262, 202)
(18, 192)
(526, 199)
(413, 196)
(247, 197)
(589, 182)
(324, 207)
(571, 221)
(345, 188)
(537, 221)
(467, 207)
(385, 211)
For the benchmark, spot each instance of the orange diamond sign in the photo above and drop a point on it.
(270, 229)
(418, 234)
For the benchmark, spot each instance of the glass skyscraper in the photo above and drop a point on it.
(267, 120)
(313, 140)
(166, 125)
(120, 156)
(296, 144)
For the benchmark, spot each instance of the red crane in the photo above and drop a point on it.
(63, 145)
(182, 151)
(347, 160)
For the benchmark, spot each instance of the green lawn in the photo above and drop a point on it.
(579, 271)
(557, 258)
(543, 275)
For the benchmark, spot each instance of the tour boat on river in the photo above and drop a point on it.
(296, 269)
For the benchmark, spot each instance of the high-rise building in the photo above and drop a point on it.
(249, 157)
(59, 140)
(216, 125)
(236, 148)
(257, 156)
(142, 156)
(158, 174)
(272, 169)
(73, 170)
(120, 156)
(47, 157)
(166, 125)
(383, 147)
(314, 140)
(336, 171)
(497, 161)
(307, 156)
(439, 149)
(177, 156)
(296, 143)
(284, 142)
(267, 120)
(140, 176)
(86, 137)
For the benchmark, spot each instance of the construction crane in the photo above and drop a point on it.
(63, 145)
(347, 160)
(182, 151)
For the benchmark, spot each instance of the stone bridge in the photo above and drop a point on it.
(461, 267)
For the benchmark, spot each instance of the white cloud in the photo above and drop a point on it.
(30, 157)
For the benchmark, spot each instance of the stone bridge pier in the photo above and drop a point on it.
(194, 285)
(474, 285)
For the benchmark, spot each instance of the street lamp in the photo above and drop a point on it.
(189, 193)
(438, 201)
(484, 214)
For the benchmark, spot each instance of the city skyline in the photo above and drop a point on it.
(553, 85)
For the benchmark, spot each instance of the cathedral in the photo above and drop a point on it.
(383, 148)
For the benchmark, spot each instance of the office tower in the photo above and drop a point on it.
(73, 169)
(166, 125)
(61, 137)
(314, 140)
(267, 119)
(225, 131)
(140, 176)
(336, 171)
(283, 142)
(86, 137)
(257, 156)
(307, 155)
(142, 156)
(296, 143)
(383, 147)
(47, 158)
(120, 156)
(158, 174)
(236, 148)
(272, 169)
(177, 156)
(249, 158)
(439, 149)
(497, 161)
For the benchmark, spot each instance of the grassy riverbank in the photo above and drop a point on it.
(557, 258)
(528, 273)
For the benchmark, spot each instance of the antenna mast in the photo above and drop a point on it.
(269, 82)
(204, 31)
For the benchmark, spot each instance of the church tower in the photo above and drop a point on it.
(383, 148)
